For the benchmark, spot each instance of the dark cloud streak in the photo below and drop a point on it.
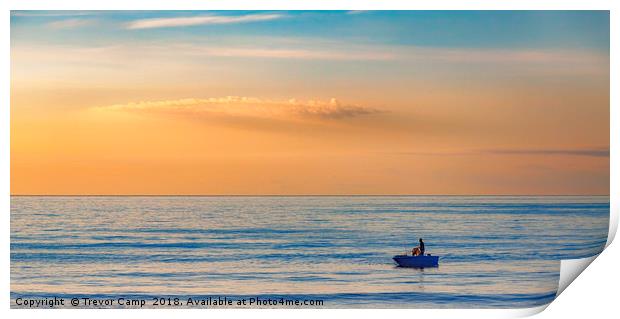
(593, 152)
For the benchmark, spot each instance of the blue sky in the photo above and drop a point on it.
(507, 29)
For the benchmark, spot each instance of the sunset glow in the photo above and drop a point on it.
(241, 103)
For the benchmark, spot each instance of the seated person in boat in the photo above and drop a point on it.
(418, 251)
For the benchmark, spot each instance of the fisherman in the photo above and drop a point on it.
(418, 251)
(421, 247)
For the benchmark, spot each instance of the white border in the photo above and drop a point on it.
(289, 5)
(614, 128)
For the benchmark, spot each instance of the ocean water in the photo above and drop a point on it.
(499, 251)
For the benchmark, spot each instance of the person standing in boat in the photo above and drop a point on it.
(418, 251)
(421, 247)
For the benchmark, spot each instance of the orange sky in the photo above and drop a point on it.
(148, 116)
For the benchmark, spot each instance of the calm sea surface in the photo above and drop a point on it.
(495, 251)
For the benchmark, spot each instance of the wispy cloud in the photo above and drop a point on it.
(71, 23)
(234, 106)
(379, 53)
(172, 53)
(436, 153)
(591, 152)
(316, 54)
(594, 152)
(308, 49)
(507, 56)
(50, 13)
(200, 20)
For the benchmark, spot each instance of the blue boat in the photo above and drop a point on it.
(417, 261)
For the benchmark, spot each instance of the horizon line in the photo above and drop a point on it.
(293, 195)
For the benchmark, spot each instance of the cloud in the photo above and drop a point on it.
(249, 107)
(54, 13)
(591, 152)
(356, 11)
(70, 23)
(316, 54)
(503, 56)
(395, 53)
(199, 20)
(541, 60)
(435, 153)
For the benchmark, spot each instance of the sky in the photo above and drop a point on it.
(309, 102)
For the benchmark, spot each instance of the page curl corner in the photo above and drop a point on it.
(570, 269)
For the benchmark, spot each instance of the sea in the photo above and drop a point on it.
(297, 251)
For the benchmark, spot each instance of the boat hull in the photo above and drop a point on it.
(417, 261)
